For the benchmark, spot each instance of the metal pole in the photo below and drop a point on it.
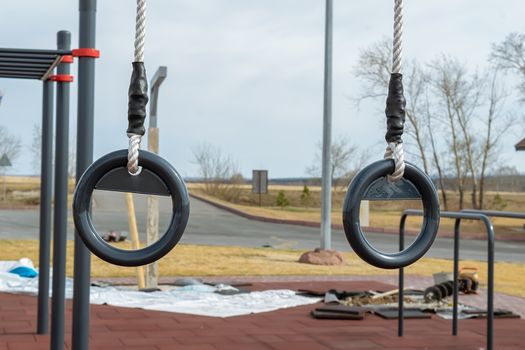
(457, 227)
(46, 188)
(326, 179)
(61, 192)
(86, 104)
(152, 230)
(490, 287)
(401, 281)
(471, 215)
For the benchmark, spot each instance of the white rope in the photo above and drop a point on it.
(395, 150)
(398, 36)
(133, 153)
(140, 30)
(140, 35)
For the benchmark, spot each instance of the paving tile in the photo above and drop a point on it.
(351, 344)
(299, 346)
(289, 329)
(188, 347)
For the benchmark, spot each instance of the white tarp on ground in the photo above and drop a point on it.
(195, 299)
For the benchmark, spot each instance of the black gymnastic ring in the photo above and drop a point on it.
(82, 205)
(354, 234)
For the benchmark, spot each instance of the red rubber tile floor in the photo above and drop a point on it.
(288, 329)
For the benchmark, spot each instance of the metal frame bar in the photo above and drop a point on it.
(85, 117)
(14, 73)
(51, 68)
(490, 268)
(496, 214)
(34, 52)
(46, 188)
(14, 60)
(18, 76)
(61, 194)
(29, 63)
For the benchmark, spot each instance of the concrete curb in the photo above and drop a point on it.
(441, 234)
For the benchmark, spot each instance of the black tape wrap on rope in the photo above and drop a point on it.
(395, 109)
(137, 99)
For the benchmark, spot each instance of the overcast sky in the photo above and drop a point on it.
(246, 75)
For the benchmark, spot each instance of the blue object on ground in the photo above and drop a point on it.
(24, 271)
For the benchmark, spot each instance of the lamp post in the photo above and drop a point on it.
(326, 180)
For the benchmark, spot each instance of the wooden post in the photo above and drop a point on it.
(134, 233)
(152, 230)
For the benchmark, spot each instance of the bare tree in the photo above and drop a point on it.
(497, 123)
(473, 106)
(10, 144)
(455, 116)
(218, 171)
(36, 148)
(458, 96)
(436, 157)
(510, 55)
(345, 158)
(374, 68)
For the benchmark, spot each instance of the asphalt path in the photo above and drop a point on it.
(211, 226)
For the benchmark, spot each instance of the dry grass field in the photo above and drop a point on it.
(22, 191)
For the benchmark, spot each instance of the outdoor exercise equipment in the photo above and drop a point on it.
(392, 178)
(41, 65)
(489, 229)
(120, 171)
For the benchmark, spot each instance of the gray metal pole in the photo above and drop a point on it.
(86, 105)
(46, 188)
(401, 281)
(326, 180)
(152, 229)
(61, 192)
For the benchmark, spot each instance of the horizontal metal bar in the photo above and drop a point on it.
(451, 214)
(18, 76)
(26, 55)
(41, 70)
(18, 72)
(16, 60)
(42, 65)
(497, 214)
(35, 51)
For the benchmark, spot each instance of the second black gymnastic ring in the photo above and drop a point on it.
(354, 234)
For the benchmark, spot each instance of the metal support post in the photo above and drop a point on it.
(86, 104)
(401, 281)
(489, 229)
(61, 192)
(152, 230)
(46, 188)
(326, 177)
(457, 227)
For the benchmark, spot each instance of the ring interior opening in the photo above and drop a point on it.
(387, 214)
(113, 214)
